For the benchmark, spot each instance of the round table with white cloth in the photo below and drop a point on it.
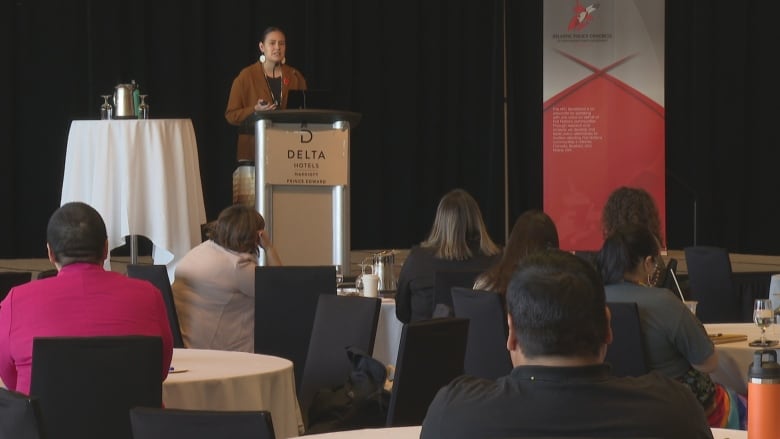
(373, 433)
(143, 176)
(734, 358)
(204, 379)
(388, 333)
(414, 433)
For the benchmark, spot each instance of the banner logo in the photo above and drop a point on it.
(583, 15)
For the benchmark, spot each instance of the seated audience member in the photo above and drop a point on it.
(560, 387)
(533, 231)
(214, 286)
(676, 343)
(458, 241)
(631, 205)
(83, 299)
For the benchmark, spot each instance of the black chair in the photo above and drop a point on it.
(87, 385)
(443, 281)
(486, 352)
(626, 354)
(158, 276)
(285, 304)
(711, 283)
(339, 322)
(20, 416)
(160, 423)
(431, 355)
(10, 279)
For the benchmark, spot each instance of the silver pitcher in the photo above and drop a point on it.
(123, 102)
(383, 263)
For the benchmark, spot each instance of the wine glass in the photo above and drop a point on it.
(143, 108)
(106, 110)
(763, 316)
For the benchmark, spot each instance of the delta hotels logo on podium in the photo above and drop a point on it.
(308, 156)
(581, 18)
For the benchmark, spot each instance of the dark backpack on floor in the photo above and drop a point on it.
(361, 402)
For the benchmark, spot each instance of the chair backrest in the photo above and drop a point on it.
(10, 279)
(709, 276)
(431, 355)
(486, 352)
(285, 303)
(19, 416)
(158, 276)
(443, 281)
(160, 423)
(87, 385)
(626, 354)
(339, 322)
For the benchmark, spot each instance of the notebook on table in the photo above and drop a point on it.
(727, 338)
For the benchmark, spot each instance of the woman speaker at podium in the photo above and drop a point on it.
(262, 86)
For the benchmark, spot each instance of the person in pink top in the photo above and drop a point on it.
(82, 300)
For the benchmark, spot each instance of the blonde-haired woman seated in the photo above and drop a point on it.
(458, 241)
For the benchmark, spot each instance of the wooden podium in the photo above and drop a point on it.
(302, 183)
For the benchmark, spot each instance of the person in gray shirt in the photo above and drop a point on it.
(675, 342)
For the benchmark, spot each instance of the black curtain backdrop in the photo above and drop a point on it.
(427, 77)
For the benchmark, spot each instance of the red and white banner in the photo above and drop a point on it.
(604, 118)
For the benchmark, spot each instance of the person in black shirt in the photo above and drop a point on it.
(560, 387)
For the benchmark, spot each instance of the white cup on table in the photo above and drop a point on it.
(370, 285)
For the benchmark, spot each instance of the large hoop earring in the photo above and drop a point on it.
(284, 60)
(262, 58)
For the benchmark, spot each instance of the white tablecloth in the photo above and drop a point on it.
(143, 176)
(388, 334)
(222, 380)
(414, 433)
(373, 433)
(734, 358)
